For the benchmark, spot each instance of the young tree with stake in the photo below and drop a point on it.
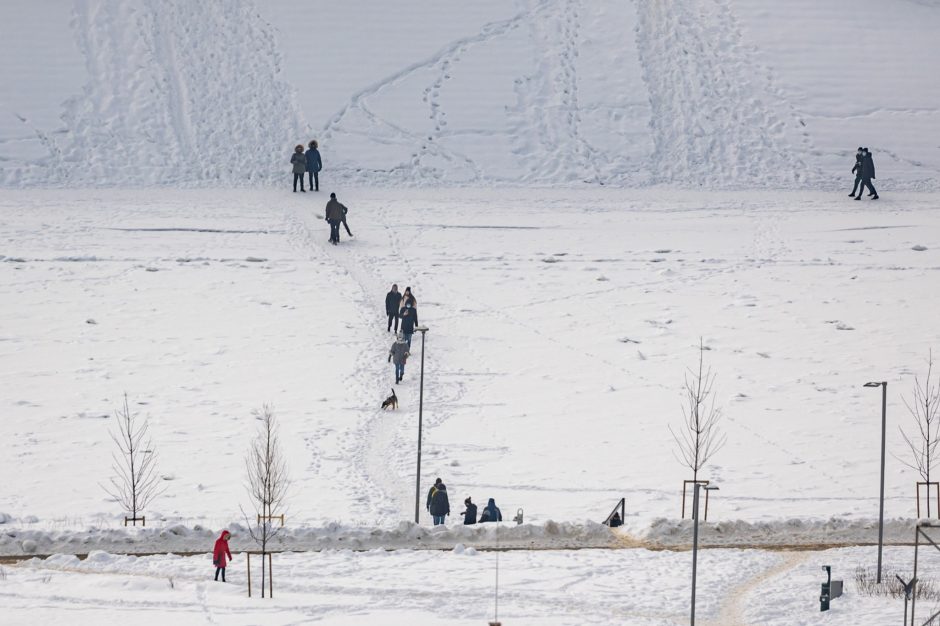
(267, 484)
(699, 437)
(135, 482)
(924, 407)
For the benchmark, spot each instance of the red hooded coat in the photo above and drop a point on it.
(221, 550)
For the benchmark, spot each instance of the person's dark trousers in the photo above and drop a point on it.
(348, 232)
(220, 569)
(314, 181)
(334, 231)
(407, 337)
(858, 181)
(390, 318)
(871, 187)
(299, 177)
(399, 372)
(438, 520)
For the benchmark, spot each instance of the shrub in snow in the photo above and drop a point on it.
(29, 546)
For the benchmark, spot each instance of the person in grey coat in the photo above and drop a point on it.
(335, 214)
(398, 354)
(314, 165)
(868, 173)
(299, 161)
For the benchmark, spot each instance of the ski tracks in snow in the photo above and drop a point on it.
(713, 123)
(178, 92)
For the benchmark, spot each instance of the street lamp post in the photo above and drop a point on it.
(423, 330)
(881, 504)
(695, 539)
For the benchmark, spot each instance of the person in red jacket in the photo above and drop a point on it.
(220, 552)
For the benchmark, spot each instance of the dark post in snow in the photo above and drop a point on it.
(423, 330)
(695, 539)
(881, 500)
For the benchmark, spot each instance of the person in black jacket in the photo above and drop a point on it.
(491, 513)
(868, 173)
(470, 515)
(409, 319)
(392, 305)
(857, 170)
(440, 505)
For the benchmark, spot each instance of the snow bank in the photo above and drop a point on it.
(661, 533)
(666, 533)
(406, 535)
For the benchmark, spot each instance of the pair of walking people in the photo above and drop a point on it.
(309, 163)
(864, 171)
(403, 307)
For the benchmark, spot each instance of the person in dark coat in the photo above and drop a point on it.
(314, 165)
(392, 306)
(857, 170)
(437, 481)
(409, 297)
(440, 505)
(299, 161)
(491, 513)
(398, 354)
(615, 520)
(219, 552)
(409, 319)
(334, 215)
(470, 514)
(868, 173)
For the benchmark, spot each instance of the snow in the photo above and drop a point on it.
(531, 395)
(452, 587)
(696, 94)
(578, 193)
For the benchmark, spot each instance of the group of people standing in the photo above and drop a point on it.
(309, 163)
(864, 171)
(401, 307)
(438, 506)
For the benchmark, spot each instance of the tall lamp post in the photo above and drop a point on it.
(695, 539)
(881, 505)
(423, 330)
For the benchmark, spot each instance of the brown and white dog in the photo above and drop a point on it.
(391, 401)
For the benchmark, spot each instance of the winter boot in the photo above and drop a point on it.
(859, 197)
(875, 197)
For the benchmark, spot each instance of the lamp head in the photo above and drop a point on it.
(421, 329)
(873, 384)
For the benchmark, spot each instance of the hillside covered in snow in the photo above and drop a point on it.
(689, 93)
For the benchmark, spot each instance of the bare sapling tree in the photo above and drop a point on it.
(699, 436)
(268, 483)
(135, 482)
(924, 407)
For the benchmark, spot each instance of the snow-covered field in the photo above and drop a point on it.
(577, 192)
(561, 324)
(714, 93)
